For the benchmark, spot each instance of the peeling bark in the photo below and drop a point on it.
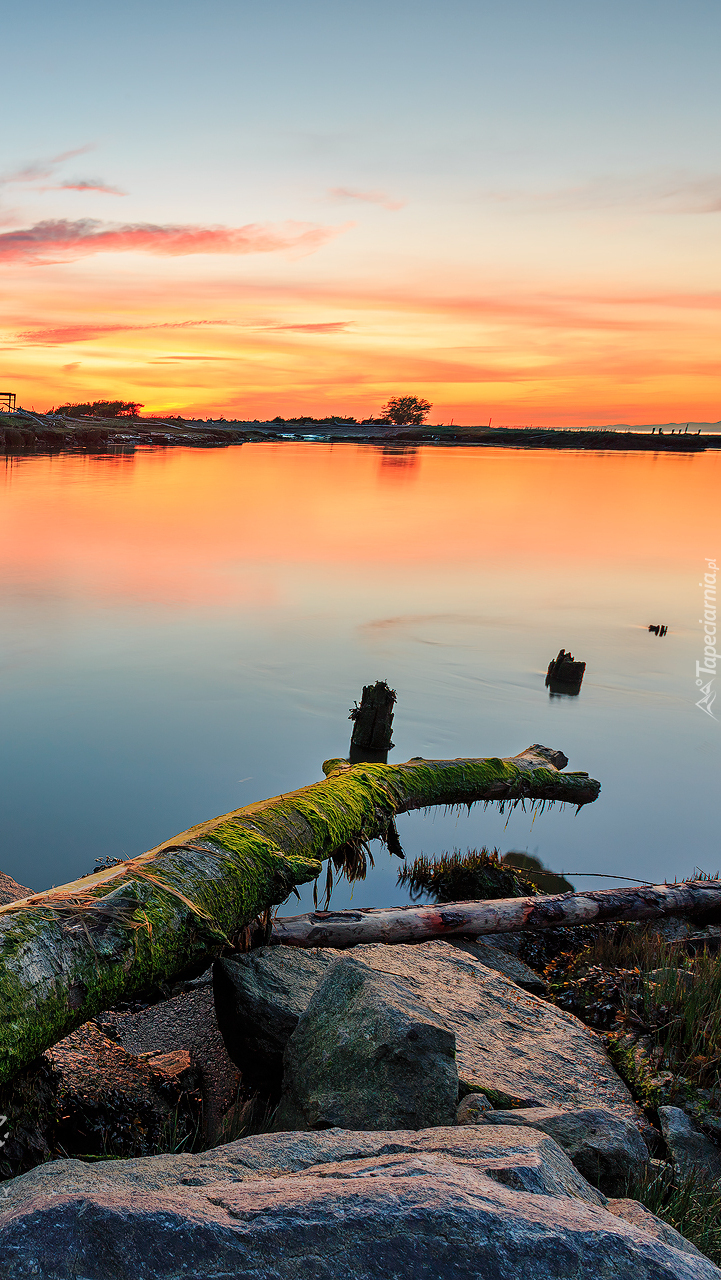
(340, 929)
(70, 952)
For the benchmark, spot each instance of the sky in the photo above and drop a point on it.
(248, 210)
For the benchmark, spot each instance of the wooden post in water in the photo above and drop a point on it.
(565, 675)
(372, 725)
(371, 739)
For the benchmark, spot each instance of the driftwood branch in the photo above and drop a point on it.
(700, 898)
(73, 951)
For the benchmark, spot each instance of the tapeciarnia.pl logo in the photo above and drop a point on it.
(708, 622)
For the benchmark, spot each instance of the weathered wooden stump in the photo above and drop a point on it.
(372, 725)
(564, 674)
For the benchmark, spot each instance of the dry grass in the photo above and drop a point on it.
(629, 980)
(690, 1204)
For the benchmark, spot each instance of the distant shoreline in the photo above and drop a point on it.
(27, 433)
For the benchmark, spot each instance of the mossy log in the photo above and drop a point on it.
(70, 952)
(700, 898)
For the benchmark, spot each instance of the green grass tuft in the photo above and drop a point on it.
(464, 877)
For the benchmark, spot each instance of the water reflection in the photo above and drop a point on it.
(185, 630)
(397, 461)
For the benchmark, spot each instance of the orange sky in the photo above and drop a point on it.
(192, 336)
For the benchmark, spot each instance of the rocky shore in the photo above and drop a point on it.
(23, 433)
(421, 1110)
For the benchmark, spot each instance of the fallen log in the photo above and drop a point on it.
(73, 951)
(342, 929)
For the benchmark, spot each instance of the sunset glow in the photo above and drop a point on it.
(184, 527)
(521, 226)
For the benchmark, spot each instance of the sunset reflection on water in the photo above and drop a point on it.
(178, 620)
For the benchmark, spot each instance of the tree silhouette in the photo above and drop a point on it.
(100, 409)
(407, 411)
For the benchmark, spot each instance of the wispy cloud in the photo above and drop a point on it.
(76, 151)
(87, 332)
(60, 240)
(40, 170)
(367, 197)
(42, 175)
(89, 184)
(657, 193)
(331, 326)
(62, 335)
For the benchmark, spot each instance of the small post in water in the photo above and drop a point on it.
(372, 725)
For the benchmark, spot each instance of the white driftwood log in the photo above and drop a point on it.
(502, 915)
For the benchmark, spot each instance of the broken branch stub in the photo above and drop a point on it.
(73, 951)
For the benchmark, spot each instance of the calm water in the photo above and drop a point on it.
(184, 631)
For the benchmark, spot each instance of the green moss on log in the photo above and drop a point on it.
(69, 953)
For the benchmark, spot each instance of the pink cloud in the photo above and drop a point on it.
(59, 240)
(89, 184)
(86, 332)
(368, 197)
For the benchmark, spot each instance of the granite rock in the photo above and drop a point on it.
(510, 1044)
(259, 998)
(605, 1147)
(367, 1054)
(446, 1204)
(690, 1150)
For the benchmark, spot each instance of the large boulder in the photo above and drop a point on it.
(504, 962)
(690, 1150)
(367, 1054)
(259, 998)
(511, 1045)
(606, 1148)
(445, 1204)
